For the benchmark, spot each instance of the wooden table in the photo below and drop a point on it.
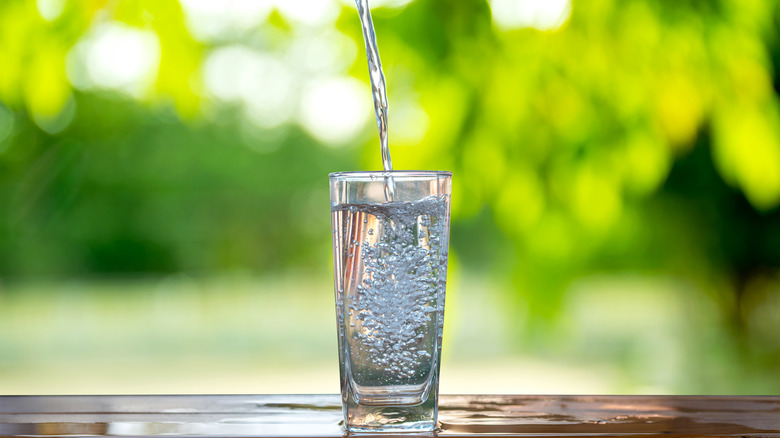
(320, 415)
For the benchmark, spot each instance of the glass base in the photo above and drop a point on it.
(417, 418)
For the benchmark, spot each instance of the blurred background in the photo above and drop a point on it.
(164, 212)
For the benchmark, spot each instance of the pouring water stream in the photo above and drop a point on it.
(378, 92)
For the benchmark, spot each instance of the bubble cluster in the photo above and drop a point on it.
(397, 290)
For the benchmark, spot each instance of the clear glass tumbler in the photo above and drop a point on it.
(390, 247)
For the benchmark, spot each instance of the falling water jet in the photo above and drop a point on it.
(378, 92)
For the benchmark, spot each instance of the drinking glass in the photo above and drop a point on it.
(390, 247)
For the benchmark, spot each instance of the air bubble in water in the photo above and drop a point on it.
(398, 289)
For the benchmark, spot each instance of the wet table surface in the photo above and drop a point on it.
(320, 416)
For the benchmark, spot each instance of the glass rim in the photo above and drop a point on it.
(361, 174)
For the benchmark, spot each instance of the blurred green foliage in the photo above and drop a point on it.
(638, 137)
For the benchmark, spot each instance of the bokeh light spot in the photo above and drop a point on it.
(209, 20)
(260, 82)
(312, 13)
(115, 56)
(538, 14)
(50, 10)
(335, 110)
(329, 52)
